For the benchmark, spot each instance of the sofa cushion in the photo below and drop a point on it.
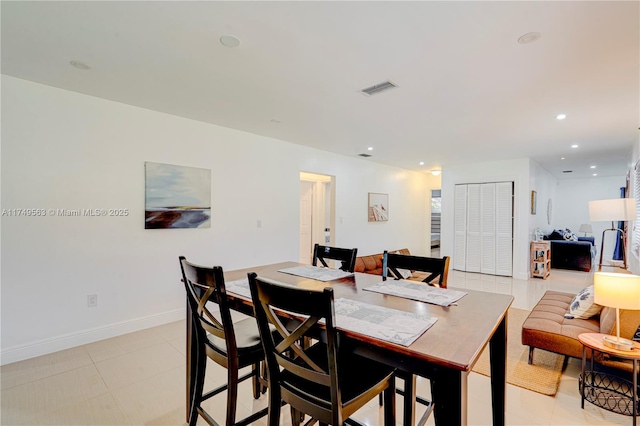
(547, 328)
(582, 306)
(629, 322)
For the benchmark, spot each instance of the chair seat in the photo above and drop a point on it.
(247, 336)
(353, 382)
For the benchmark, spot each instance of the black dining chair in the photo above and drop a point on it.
(346, 256)
(402, 266)
(326, 380)
(231, 345)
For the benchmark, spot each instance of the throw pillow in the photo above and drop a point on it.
(569, 236)
(582, 305)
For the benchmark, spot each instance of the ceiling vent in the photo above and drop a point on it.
(378, 88)
(365, 155)
(567, 171)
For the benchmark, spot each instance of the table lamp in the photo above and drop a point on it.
(617, 209)
(586, 228)
(620, 291)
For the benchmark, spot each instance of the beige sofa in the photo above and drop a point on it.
(547, 328)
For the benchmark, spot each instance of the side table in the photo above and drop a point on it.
(606, 390)
(540, 259)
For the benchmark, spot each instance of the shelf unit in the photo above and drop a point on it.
(540, 259)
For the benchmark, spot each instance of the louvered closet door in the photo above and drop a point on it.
(460, 228)
(504, 229)
(484, 228)
(488, 228)
(474, 243)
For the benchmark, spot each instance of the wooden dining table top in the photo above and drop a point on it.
(455, 341)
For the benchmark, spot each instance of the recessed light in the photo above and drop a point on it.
(529, 38)
(593, 167)
(561, 116)
(229, 40)
(562, 158)
(80, 65)
(370, 148)
(436, 172)
(421, 163)
(574, 146)
(595, 174)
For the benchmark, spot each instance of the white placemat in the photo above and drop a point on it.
(316, 273)
(418, 291)
(391, 325)
(240, 287)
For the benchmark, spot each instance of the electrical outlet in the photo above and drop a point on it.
(92, 300)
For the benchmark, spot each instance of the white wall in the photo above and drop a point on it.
(61, 149)
(545, 185)
(573, 196)
(633, 259)
(494, 171)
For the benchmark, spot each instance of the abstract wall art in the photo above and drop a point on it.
(177, 196)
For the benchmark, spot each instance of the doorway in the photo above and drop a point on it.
(436, 213)
(317, 213)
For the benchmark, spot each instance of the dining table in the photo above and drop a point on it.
(445, 353)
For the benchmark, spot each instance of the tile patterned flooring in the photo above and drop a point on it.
(138, 378)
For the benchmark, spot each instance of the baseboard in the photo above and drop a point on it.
(59, 343)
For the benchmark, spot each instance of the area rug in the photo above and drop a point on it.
(545, 373)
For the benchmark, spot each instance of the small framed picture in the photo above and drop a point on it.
(534, 199)
(378, 207)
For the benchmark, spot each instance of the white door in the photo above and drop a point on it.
(488, 228)
(460, 242)
(306, 221)
(504, 228)
(474, 243)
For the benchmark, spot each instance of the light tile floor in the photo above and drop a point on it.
(138, 378)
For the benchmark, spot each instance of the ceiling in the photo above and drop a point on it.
(467, 90)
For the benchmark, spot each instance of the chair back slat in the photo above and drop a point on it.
(204, 285)
(438, 268)
(344, 255)
(308, 368)
(316, 315)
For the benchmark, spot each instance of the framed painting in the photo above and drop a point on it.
(177, 196)
(378, 207)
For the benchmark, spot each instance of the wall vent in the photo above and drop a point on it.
(379, 88)
(365, 155)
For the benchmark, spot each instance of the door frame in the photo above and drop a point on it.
(323, 209)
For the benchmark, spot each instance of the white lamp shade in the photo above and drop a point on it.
(620, 291)
(586, 228)
(612, 210)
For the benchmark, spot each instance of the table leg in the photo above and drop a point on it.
(498, 360)
(449, 393)
(584, 379)
(409, 400)
(635, 391)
